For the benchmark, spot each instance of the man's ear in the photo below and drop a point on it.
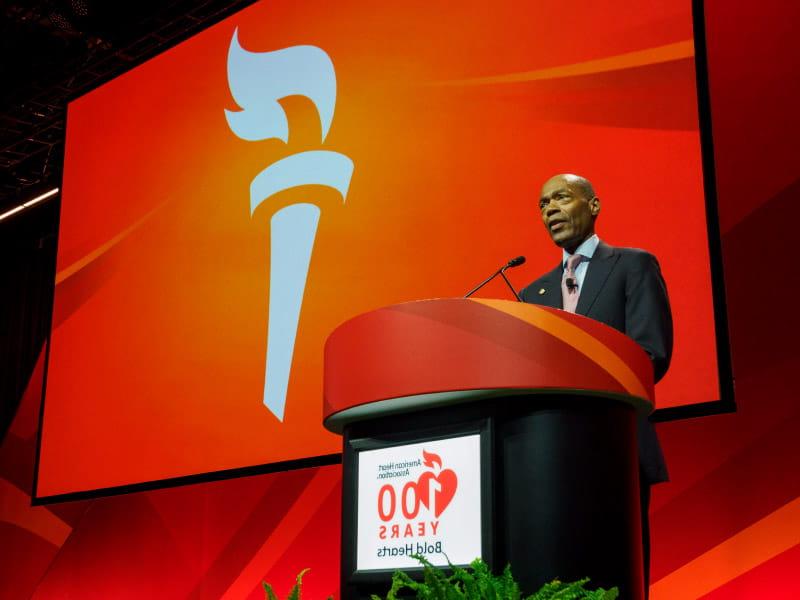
(594, 206)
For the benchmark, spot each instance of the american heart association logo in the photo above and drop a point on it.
(438, 487)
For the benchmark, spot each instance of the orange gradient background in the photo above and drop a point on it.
(157, 353)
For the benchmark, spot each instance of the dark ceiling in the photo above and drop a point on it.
(53, 51)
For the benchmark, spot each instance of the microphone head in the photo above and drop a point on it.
(515, 262)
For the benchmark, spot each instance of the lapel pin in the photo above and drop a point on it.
(542, 291)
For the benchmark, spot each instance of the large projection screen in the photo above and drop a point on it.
(229, 202)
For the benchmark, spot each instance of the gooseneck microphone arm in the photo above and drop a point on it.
(514, 262)
(508, 283)
(483, 283)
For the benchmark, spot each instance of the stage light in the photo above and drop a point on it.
(29, 203)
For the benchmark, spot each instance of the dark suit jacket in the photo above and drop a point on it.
(624, 289)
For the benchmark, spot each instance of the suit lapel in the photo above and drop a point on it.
(551, 284)
(600, 267)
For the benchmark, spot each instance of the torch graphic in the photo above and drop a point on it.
(257, 81)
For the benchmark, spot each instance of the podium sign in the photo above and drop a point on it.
(420, 498)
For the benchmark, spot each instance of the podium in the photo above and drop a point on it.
(487, 428)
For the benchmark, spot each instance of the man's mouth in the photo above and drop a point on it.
(556, 225)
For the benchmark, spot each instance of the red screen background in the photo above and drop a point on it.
(453, 118)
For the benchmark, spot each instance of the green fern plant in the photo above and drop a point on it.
(477, 582)
(294, 593)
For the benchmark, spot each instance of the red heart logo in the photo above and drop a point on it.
(444, 489)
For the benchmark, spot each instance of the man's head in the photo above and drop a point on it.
(569, 208)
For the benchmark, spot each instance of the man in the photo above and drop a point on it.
(621, 287)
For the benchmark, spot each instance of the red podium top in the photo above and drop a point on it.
(432, 353)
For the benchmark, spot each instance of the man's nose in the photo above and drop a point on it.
(550, 208)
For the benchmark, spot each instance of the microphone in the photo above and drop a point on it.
(514, 262)
(571, 283)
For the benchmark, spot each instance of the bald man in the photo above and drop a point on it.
(621, 287)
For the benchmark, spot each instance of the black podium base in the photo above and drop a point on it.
(565, 489)
(570, 496)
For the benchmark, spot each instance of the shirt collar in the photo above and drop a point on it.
(587, 249)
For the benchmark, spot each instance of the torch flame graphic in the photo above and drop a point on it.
(257, 81)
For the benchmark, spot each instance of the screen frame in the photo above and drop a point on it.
(725, 378)
(724, 404)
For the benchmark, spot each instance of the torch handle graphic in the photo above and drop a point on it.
(293, 230)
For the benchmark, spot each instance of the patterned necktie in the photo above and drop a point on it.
(569, 284)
